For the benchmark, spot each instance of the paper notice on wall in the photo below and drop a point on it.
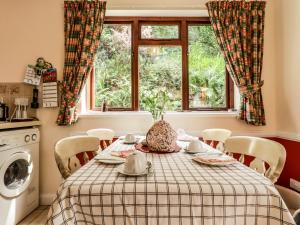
(50, 88)
(50, 94)
(31, 77)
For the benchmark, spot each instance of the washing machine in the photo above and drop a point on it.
(19, 174)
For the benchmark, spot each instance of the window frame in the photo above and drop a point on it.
(182, 41)
(158, 23)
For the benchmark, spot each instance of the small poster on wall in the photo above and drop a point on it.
(31, 77)
(50, 88)
(34, 73)
(44, 71)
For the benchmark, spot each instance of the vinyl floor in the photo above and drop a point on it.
(37, 217)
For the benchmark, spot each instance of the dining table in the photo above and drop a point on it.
(180, 191)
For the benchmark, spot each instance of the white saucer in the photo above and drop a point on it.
(130, 142)
(195, 152)
(148, 171)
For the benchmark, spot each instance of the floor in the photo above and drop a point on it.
(37, 217)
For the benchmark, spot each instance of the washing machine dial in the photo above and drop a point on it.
(2, 143)
(27, 138)
(33, 137)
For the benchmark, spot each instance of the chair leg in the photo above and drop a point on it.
(297, 217)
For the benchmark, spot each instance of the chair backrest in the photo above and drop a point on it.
(291, 199)
(67, 148)
(103, 134)
(263, 150)
(216, 136)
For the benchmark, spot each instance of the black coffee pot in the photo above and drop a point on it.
(4, 111)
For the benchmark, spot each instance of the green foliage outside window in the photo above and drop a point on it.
(206, 69)
(160, 70)
(113, 67)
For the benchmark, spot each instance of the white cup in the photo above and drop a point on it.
(195, 146)
(129, 138)
(180, 132)
(136, 163)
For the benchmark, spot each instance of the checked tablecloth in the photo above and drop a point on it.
(180, 192)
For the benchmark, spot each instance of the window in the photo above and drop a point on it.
(207, 86)
(172, 62)
(159, 31)
(160, 76)
(112, 68)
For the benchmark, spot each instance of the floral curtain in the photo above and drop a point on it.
(83, 27)
(239, 28)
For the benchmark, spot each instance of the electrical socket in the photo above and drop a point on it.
(294, 184)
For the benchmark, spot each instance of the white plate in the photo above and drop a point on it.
(222, 163)
(108, 159)
(148, 171)
(112, 162)
(200, 151)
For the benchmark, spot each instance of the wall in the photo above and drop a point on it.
(288, 41)
(288, 94)
(156, 4)
(34, 28)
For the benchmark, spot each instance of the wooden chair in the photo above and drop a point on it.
(292, 201)
(69, 151)
(263, 151)
(104, 135)
(216, 137)
(297, 217)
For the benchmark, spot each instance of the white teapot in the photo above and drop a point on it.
(135, 163)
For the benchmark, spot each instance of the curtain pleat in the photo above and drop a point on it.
(239, 28)
(83, 27)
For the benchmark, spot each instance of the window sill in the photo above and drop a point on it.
(115, 114)
(91, 114)
(202, 114)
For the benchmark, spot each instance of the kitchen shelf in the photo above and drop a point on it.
(11, 125)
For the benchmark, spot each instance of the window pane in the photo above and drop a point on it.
(160, 70)
(113, 67)
(206, 69)
(159, 32)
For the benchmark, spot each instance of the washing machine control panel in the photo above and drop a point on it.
(2, 143)
(18, 138)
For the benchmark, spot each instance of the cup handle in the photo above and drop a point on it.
(149, 166)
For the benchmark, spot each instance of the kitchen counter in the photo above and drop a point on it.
(10, 125)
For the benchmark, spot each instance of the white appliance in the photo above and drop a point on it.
(19, 174)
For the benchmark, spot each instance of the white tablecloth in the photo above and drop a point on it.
(180, 191)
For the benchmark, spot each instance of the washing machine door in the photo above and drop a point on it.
(15, 174)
